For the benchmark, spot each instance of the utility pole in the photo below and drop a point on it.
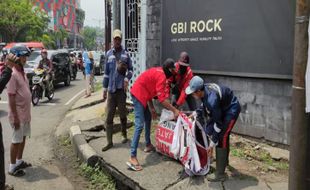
(116, 14)
(299, 172)
(75, 31)
(107, 25)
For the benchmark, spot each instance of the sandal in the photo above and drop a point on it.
(17, 173)
(149, 148)
(134, 167)
(23, 165)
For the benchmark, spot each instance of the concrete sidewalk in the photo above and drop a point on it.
(159, 172)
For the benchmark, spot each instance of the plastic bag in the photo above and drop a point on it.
(166, 115)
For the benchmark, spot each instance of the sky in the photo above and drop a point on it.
(94, 12)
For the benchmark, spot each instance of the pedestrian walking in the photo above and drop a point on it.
(221, 109)
(117, 73)
(4, 79)
(153, 83)
(92, 76)
(88, 72)
(181, 82)
(19, 99)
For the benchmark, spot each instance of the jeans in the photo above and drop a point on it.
(142, 119)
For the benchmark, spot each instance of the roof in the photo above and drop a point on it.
(37, 45)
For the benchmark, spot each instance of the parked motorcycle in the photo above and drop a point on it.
(39, 88)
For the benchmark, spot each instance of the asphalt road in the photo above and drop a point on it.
(45, 173)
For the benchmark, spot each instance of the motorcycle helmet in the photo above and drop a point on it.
(43, 51)
(20, 50)
(5, 51)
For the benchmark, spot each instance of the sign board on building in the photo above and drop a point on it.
(239, 38)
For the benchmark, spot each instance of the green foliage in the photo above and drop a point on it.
(90, 34)
(98, 178)
(48, 41)
(20, 21)
(59, 36)
(64, 141)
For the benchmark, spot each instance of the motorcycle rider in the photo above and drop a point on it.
(73, 67)
(73, 58)
(47, 65)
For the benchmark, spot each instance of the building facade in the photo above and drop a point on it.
(67, 15)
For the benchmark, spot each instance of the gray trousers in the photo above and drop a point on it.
(116, 99)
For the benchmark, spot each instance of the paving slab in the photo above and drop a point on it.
(245, 184)
(277, 153)
(95, 124)
(196, 183)
(278, 186)
(158, 172)
(88, 113)
(93, 99)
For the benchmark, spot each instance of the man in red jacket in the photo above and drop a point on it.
(184, 75)
(150, 84)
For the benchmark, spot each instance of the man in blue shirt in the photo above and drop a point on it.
(117, 73)
(220, 109)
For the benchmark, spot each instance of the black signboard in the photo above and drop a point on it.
(231, 37)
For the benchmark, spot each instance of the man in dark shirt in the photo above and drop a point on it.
(45, 63)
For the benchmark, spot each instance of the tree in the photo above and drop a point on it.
(48, 41)
(59, 37)
(20, 21)
(90, 35)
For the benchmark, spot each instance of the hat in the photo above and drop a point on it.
(184, 59)
(195, 84)
(183, 64)
(117, 33)
(90, 55)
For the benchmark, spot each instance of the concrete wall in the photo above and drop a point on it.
(266, 106)
(153, 34)
(266, 103)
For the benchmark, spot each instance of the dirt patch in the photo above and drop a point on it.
(249, 159)
(68, 163)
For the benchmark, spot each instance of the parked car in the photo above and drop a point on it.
(61, 63)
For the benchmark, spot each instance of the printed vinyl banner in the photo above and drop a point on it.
(242, 37)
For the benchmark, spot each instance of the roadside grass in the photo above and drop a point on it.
(64, 141)
(98, 86)
(98, 178)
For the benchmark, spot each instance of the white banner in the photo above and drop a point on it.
(308, 77)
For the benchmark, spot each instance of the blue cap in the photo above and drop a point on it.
(195, 84)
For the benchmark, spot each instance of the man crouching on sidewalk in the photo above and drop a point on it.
(221, 106)
(19, 97)
(150, 84)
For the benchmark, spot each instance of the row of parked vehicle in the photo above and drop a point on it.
(65, 67)
(63, 71)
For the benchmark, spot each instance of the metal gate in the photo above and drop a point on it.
(132, 28)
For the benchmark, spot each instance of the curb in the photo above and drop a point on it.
(81, 147)
(88, 105)
(87, 154)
